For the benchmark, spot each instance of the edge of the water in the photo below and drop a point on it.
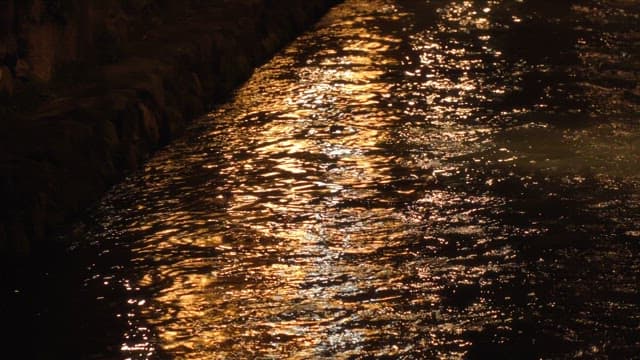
(61, 156)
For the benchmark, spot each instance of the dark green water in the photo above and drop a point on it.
(411, 179)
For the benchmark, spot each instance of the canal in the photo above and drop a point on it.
(411, 179)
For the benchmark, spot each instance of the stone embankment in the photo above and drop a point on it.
(89, 89)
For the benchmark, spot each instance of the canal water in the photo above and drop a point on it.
(411, 179)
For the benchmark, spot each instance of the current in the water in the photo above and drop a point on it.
(411, 179)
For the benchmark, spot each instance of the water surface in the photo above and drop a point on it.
(411, 179)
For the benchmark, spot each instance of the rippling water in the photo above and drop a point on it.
(412, 179)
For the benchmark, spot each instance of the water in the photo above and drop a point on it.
(412, 179)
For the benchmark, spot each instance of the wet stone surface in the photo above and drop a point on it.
(412, 179)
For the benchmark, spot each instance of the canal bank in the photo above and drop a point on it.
(74, 124)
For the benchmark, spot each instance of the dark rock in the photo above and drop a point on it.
(6, 81)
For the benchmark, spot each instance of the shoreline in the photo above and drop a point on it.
(64, 153)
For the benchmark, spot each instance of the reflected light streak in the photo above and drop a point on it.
(386, 187)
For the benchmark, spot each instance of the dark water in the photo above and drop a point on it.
(412, 179)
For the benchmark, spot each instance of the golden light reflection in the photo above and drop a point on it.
(349, 200)
(296, 158)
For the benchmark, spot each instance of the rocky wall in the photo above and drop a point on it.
(92, 88)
